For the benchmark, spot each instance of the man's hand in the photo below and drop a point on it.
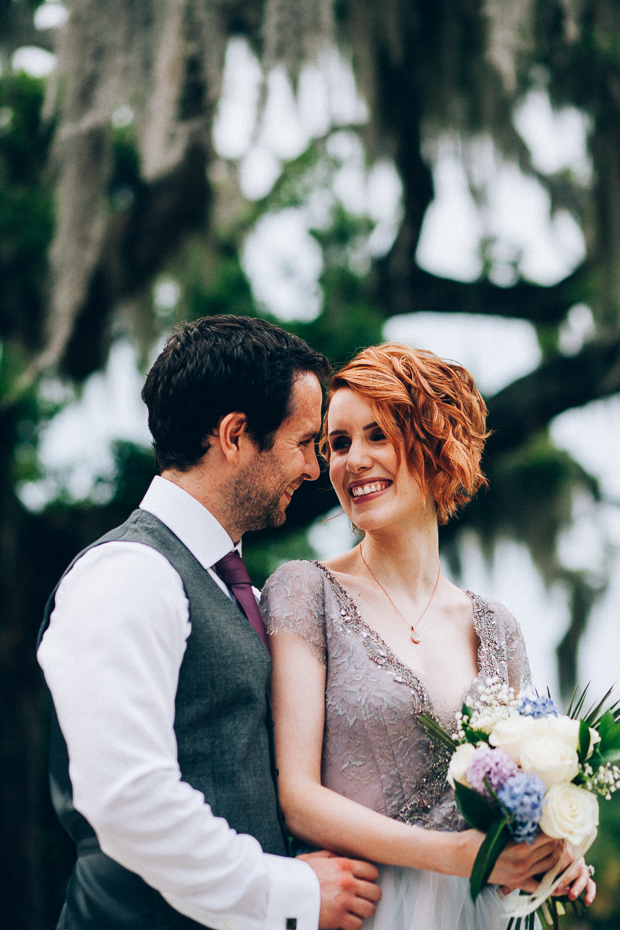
(348, 892)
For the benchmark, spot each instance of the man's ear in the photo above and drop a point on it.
(233, 433)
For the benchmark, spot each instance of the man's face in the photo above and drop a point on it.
(264, 488)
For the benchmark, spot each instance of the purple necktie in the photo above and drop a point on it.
(233, 572)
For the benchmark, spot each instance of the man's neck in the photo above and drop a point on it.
(200, 485)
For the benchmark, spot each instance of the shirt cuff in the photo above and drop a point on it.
(294, 900)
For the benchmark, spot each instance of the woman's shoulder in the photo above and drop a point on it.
(295, 575)
(298, 585)
(495, 612)
(503, 646)
(293, 601)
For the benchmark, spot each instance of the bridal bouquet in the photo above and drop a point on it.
(520, 767)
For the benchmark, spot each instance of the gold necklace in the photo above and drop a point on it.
(414, 636)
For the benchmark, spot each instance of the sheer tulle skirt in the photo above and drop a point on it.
(415, 900)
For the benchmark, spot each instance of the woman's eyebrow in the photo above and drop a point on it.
(341, 432)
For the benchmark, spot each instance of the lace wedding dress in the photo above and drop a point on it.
(374, 751)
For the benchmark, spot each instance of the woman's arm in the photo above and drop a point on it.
(327, 819)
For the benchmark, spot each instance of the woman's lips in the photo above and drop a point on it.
(368, 490)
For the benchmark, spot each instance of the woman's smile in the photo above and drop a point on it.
(368, 489)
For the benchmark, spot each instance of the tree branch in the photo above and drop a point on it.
(138, 243)
(410, 289)
(529, 404)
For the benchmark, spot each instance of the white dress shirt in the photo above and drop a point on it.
(111, 657)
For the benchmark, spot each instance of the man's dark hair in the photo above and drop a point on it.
(219, 365)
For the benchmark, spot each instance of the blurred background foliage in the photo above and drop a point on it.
(110, 182)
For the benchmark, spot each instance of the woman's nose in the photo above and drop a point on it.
(358, 457)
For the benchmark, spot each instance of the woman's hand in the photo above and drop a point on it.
(577, 879)
(521, 865)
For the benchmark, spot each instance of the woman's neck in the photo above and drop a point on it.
(404, 559)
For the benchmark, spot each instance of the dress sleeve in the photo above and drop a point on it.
(519, 676)
(293, 601)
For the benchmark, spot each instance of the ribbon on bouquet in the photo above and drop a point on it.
(522, 905)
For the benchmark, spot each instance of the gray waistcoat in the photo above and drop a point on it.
(224, 736)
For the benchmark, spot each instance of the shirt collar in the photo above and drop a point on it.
(189, 520)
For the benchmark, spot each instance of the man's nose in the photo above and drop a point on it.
(312, 467)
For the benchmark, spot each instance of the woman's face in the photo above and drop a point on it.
(373, 489)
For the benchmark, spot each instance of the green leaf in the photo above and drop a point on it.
(593, 716)
(605, 726)
(496, 840)
(584, 741)
(476, 736)
(477, 810)
(575, 708)
(569, 709)
(609, 732)
(434, 729)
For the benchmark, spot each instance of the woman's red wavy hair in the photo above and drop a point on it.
(429, 406)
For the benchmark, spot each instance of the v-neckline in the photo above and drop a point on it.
(383, 654)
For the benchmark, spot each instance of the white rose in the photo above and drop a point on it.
(566, 728)
(509, 735)
(458, 764)
(550, 757)
(570, 813)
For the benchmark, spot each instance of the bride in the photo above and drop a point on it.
(364, 643)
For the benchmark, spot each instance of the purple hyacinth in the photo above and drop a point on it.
(524, 796)
(539, 706)
(493, 764)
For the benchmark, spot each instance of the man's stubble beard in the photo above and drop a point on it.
(253, 499)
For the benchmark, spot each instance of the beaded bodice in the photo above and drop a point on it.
(374, 750)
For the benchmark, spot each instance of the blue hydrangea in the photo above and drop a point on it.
(523, 795)
(539, 706)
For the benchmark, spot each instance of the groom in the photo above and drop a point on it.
(162, 763)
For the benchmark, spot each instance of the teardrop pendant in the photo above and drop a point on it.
(414, 636)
